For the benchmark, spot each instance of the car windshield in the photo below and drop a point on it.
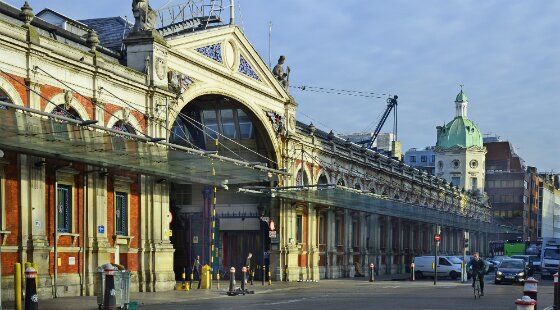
(454, 260)
(525, 258)
(552, 253)
(511, 265)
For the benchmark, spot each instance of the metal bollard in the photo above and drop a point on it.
(244, 278)
(556, 293)
(269, 278)
(530, 288)
(109, 295)
(526, 303)
(231, 291)
(31, 298)
(17, 286)
(371, 269)
(218, 279)
(252, 276)
(412, 276)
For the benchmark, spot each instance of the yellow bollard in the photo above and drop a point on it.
(218, 278)
(36, 267)
(269, 279)
(17, 285)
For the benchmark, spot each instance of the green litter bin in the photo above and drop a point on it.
(133, 305)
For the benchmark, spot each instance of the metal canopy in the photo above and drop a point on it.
(344, 197)
(42, 134)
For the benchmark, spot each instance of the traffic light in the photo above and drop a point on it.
(466, 243)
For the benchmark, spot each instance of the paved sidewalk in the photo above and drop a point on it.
(183, 297)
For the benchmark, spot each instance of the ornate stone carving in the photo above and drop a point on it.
(161, 68)
(144, 16)
(92, 40)
(26, 14)
(277, 122)
(126, 114)
(67, 99)
(178, 82)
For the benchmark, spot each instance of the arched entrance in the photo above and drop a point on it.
(216, 123)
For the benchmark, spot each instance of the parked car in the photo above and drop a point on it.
(510, 271)
(536, 262)
(448, 266)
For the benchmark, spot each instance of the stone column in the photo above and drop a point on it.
(34, 224)
(312, 246)
(348, 242)
(389, 249)
(156, 251)
(363, 222)
(331, 244)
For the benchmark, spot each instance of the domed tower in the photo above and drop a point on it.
(459, 150)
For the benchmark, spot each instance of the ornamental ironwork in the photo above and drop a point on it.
(213, 51)
(246, 69)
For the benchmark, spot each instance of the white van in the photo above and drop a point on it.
(448, 266)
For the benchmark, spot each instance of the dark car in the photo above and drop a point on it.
(510, 271)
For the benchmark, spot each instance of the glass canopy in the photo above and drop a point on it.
(42, 134)
(344, 197)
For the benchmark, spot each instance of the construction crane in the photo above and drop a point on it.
(391, 104)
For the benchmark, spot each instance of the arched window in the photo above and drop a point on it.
(298, 179)
(124, 127)
(357, 186)
(69, 113)
(341, 182)
(4, 97)
(323, 180)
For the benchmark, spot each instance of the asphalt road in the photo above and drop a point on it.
(353, 294)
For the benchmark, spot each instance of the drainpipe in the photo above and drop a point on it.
(55, 232)
(231, 12)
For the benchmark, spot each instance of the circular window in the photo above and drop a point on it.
(473, 163)
(455, 163)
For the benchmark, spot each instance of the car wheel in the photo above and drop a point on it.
(419, 275)
(453, 275)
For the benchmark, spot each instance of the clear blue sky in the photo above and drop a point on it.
(505, 52)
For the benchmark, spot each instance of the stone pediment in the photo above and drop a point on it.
(223, 53)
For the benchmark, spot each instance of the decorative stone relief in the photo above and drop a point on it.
(213, 51)
(161, 68)
(277, 122)
(67, 99)
(178, 82)
(246, 69)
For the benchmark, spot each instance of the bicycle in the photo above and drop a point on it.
(476, 288)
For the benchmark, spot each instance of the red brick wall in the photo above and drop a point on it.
(12, 212)
(22, 91)
(48, 91)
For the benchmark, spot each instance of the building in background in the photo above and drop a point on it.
(385, 143)
(459, 150)
(423, 159)
(512, 189)
(549, 206)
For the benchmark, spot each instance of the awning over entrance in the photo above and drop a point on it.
(344, 197)
(42, 134)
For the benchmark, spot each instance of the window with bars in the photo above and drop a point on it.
(64, 208)
(121, 213)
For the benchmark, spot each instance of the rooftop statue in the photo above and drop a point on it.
(144, 15)
(278, 72)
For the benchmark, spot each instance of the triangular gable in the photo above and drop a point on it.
(227, 51)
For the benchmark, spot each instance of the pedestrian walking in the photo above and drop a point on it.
(196, 269)
(248, 265)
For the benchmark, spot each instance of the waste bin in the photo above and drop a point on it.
(205, 277)
(122, 286)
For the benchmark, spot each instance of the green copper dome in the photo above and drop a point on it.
(461, 132)
(461, 97)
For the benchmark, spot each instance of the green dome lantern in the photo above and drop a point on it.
(461, 131)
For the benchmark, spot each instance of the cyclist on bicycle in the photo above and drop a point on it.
(479, 269)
